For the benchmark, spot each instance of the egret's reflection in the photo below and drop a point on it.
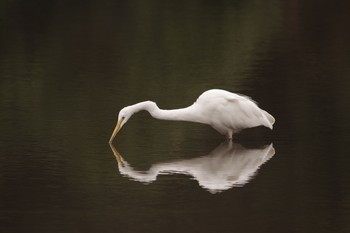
(228, 165)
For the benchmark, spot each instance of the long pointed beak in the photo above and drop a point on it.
(116, 130)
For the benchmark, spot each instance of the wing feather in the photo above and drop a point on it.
(227, 111)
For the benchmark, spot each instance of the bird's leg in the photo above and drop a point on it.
(229, 136)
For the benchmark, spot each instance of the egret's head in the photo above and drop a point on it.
(127, 112)
(123, 117)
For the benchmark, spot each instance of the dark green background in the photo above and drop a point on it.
(68, 67)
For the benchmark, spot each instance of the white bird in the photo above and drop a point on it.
(226, 112)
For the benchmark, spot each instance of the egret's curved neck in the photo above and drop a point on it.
(181, 114)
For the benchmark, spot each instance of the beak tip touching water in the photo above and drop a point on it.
(116, 130)
(112, 138)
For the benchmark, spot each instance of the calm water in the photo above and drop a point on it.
(68, 67)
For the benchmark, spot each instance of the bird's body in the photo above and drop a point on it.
(226, 112)
(229, 113)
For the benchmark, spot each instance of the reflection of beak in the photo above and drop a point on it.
(117, 155)
(116, 130)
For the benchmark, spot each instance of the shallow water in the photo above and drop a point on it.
(68, 67)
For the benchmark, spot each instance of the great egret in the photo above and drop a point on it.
(228, 165)
(226, 112)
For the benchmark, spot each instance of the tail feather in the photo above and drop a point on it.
(269, 117)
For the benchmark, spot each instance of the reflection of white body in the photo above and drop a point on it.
(227, 166)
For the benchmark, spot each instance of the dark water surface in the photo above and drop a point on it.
(68, 67)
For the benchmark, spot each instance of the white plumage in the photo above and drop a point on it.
(229, 112)
(225, 111)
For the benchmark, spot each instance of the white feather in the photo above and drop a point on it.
(225, 111)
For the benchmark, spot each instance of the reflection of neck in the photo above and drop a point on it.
(226, 166)
(182, 114)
